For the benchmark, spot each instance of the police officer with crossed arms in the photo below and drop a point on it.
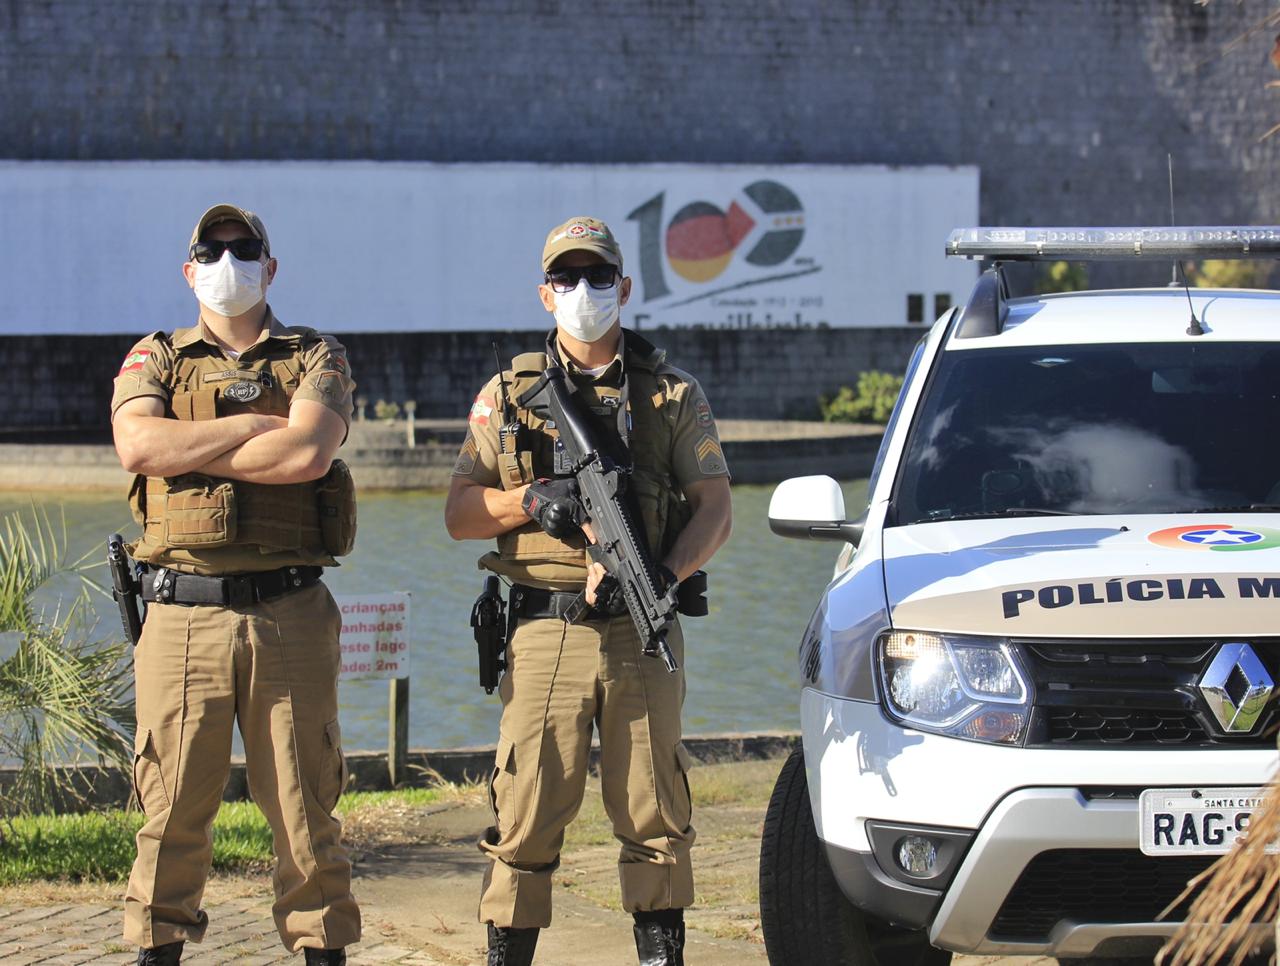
(231, 426)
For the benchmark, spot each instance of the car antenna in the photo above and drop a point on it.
(1195, 328)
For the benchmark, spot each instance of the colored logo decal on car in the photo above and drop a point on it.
(1216, 536)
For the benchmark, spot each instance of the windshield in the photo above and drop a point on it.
(1147, 428)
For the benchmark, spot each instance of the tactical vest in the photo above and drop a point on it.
(210, 525)
(527, 554)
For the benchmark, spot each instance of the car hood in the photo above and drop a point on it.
(1097, 576)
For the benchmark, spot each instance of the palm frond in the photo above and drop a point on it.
(32, 552)
(64, 697)
(1240, 889)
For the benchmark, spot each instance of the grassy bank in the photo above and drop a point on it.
(729, 800)
(100, 847)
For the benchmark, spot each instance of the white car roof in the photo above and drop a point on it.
(1135, 315)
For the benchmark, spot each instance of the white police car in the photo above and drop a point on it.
(1039, 693)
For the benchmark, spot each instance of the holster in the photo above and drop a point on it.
(489, 623)
(126, 588)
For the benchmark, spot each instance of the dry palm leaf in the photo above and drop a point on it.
(1239, 890)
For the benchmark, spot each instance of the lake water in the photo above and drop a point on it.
(740, 659)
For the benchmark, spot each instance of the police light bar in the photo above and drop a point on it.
(1107, 244)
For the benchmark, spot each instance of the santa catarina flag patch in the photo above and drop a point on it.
(135, 360)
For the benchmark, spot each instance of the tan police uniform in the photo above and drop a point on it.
(271, 664)
(564, 678)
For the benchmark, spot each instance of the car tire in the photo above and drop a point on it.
(805, 917)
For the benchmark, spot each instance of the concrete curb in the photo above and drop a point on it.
(757, 451)
(103, 787)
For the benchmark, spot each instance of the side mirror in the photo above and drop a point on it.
(811, 508)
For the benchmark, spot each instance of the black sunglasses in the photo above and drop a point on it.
(245, 249)
(566, 279)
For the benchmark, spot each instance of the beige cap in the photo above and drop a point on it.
(220, 213)
(581, 233)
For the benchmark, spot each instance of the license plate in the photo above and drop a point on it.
(1194, 821)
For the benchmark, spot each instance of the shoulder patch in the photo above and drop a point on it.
(710, 455)
(481, 410)
(466, 457)
(134, 361)
(702, 412)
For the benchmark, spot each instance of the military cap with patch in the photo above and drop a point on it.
(221, 213)
(581, 233)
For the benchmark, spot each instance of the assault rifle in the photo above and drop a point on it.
(620, 543)
(124, 588)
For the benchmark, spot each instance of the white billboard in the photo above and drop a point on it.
(97, 247)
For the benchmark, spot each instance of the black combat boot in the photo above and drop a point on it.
(326, 957)
(511, 947)
(167, 955)
(660, 937)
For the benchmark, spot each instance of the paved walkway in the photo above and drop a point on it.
(417, 878)
(419, 910)
(79, 935)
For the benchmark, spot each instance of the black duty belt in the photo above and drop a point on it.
(164, 586)
(532, 603)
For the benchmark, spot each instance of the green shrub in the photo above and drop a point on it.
(1062, 277)
(871, 402)
(386, 411)
(1224, 273)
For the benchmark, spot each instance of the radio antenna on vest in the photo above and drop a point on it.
(510, 429)
(502, 385)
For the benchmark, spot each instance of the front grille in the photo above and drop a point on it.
(1093, 885)
(1132, 693)
(1116, 726)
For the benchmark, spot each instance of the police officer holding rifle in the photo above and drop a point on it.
(598, 468)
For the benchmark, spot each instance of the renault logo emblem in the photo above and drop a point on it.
(1236, 687)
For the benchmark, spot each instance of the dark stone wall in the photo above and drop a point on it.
(747, 373)
(65, 383)
(1068, 107)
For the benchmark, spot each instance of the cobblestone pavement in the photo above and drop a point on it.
(417, 876)
(242, 933)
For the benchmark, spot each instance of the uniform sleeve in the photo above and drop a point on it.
(478, 458)
(326, 377)
(696, 453)
(142, 372)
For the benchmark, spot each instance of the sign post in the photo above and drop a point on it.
(398, 730)
(375, 643)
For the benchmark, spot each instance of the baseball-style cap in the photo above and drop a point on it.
(585, 234)
(219, 213)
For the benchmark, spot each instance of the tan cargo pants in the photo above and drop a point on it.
(273, 666)
(561, 679)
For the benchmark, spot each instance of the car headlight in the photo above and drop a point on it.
(968, 687)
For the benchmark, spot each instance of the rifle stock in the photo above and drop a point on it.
(620, 543)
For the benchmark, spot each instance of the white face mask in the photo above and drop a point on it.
(587, 313)
(229, 286)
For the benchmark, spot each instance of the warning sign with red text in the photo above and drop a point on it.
(375, 635)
